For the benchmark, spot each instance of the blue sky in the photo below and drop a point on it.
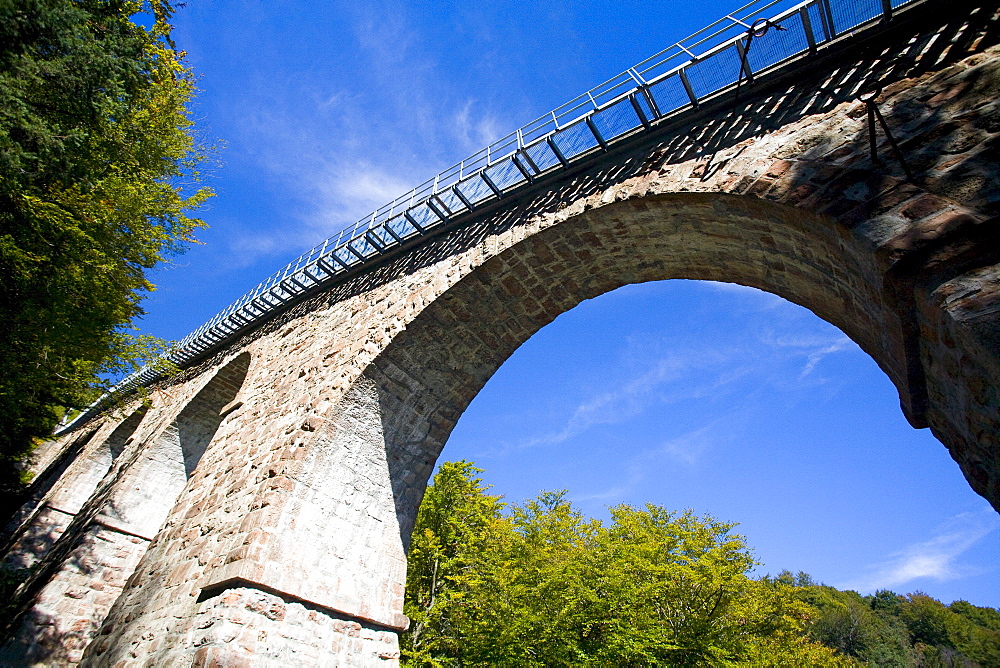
(723, 399)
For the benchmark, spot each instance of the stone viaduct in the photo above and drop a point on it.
(257, 508)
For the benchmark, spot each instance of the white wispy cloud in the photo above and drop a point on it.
(334, 185)
(347, 193)
(615, 492)
(667, 379)
(340, 153)
(623, 402)
(367, 185)
(814, 347)
(936, 558)
(688, 448)
(817, 355)
(474, 129)
(689, 374)
(248, 247)
(653, 371)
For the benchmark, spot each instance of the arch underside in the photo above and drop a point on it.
(429, 374)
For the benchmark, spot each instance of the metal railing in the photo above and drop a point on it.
(664, 85)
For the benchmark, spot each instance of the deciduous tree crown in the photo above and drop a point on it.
(538, 584)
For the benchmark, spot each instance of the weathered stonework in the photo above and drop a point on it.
(93, 526)
(291, 464)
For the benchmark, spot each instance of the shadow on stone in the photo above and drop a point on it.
(62, 604)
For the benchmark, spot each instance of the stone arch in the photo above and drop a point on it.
(64, 602)
(25, 518)
(70, 490)
(147, 490)
(423, 381)
(332, 524)
(331, 520)
(121, 437)
(72, 495)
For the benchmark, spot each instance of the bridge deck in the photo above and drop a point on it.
(749, 45)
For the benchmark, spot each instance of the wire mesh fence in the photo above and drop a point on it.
(744, 44)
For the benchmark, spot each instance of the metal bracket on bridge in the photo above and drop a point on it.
(873, 114)
(757, 29)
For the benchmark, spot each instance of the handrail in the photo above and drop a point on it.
(666, 84)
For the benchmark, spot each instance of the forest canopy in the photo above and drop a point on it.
(97, 166)
(539, 584)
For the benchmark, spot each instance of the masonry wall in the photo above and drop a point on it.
(107, 516)
(287, 542)
(45, 518)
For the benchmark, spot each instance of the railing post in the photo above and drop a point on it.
(557, 151)
(437, 211)
(886, 10)
(646, 93)
(807, 28)
(827, 15)
(465, 200)
(638, 111)
(596, 133)
(524, 172)
(489, 183)
(687, 87)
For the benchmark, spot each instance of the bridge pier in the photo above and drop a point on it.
(960, 337)
(290, 465)
(109, 511)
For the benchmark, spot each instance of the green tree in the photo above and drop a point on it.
(457, 520)
(97, 162)
(927, 620)
(673, 589)
(887, 629)
(527, 593)
(538, 584)
(951, 635)
(854, 628)
(988, 618)
(860, 627)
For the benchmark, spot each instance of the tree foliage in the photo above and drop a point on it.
(97, 162)
(538, 584)
(887, 629)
